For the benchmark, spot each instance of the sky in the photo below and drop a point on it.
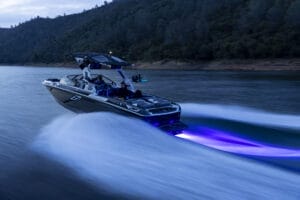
(12, 12)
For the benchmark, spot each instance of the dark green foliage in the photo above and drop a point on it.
(161, 29)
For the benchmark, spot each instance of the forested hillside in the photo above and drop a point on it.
(150, 30)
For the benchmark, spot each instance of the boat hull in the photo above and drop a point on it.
(82, 103)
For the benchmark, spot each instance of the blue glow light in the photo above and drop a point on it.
(224, 141)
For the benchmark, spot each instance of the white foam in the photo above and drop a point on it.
(130, 157)
(241, 114)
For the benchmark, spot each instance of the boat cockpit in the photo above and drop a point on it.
(101, 85)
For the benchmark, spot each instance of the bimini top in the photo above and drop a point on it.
(99, 61)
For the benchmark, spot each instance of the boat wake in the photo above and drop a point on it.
(239, 143)
(241, 114)
(131, 157)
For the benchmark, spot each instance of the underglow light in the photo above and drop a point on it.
(223, 141)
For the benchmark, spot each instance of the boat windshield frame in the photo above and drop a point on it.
(80, 77)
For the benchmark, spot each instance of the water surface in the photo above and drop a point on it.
(47, 152)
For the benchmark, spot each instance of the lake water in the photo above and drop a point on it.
(242, 142)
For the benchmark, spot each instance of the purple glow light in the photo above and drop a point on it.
(223, 141)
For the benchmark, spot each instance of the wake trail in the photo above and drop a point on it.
(241, 114)
(131, 157)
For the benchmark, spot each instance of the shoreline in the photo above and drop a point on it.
(216, 65)
(225, 65)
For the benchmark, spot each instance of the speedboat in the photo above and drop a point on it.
(79, 95)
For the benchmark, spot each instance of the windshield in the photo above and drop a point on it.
(101, 59)
(117, 59)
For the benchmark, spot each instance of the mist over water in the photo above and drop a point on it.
(129, 156)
